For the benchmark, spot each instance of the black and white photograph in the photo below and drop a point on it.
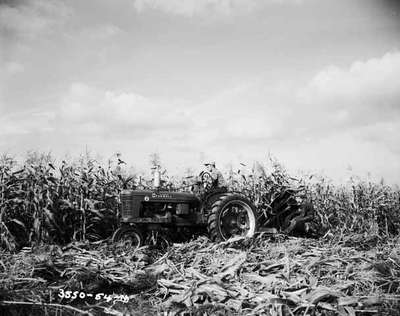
(200, 157)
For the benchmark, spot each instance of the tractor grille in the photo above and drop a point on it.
(127, 209)
(131, 203)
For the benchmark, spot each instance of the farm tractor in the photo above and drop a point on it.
(157, 217)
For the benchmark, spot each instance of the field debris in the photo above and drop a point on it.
(260, 276)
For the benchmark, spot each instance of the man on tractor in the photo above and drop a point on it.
(217, 179)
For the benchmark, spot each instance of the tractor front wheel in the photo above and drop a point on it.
(231, 215)
(131, 235)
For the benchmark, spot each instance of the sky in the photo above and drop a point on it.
(314, 83)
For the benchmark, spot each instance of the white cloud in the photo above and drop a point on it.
(31, 18)
(25, 123)
(100, 32)
(364, 93)
(342, 116)
(116, 111)
(351, 115)
(100, 113)
(7, 70)
(377, 77)
(190, 8)
(13, 67)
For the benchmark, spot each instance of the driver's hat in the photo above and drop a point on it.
(212, 163)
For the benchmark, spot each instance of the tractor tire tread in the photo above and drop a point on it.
(213, 215)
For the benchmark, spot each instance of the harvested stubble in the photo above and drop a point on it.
(260, 276)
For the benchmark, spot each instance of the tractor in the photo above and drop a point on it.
(155, 217)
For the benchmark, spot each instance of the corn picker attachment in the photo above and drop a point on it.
(156, 217)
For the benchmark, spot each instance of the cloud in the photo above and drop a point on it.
(341, 116)
(104, 120)
(100, 32)
(31, 18)
(26, 123)
(113, 113)
(191, 8)
(7, 71)
(376, 77)
(364, 93)
(350, 115)
(86, 110)
(13, 68)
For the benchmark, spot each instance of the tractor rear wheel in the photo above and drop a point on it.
(231, 215)
(131, 235)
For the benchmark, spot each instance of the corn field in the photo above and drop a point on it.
(42, 203)
(56, 220)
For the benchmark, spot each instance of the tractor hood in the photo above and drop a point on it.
(160, 196)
